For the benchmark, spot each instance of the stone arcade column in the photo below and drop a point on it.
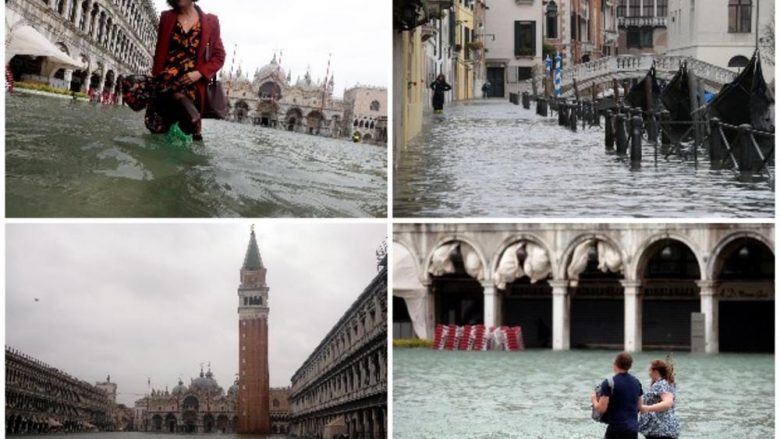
(632, 315)
(561, 305)
(492, 305)
(69, 77)
(708, 291)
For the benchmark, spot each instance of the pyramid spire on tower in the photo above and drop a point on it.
(252, 259)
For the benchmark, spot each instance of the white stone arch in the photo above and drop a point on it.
(524, 236)
(715, 261)
(568, 253)
(635, 269)
(446, 239)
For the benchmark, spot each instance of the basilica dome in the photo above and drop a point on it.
(180, 389)
(205, 384)
(271, 71)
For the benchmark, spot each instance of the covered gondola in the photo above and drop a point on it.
(746, 100)
(637, 96)
(676, 96)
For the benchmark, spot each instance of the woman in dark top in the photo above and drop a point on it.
(189, 54)
(439, 86)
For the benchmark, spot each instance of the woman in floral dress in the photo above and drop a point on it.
(657, 419)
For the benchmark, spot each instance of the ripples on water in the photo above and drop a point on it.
(137, 435)
(545, 394)
(66, 158)
(494, 159)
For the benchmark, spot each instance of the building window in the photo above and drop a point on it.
(739, 15)
(573, 26)
(621, 8)
(648, 8)
(552, 20)
(633, 8)
(374, 105)
(524, 73)
(525, 38)
(640, 38)
(662, 8)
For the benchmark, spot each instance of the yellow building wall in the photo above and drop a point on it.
(412, 57)
(464, 74)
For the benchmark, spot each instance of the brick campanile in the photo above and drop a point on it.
(253, 395)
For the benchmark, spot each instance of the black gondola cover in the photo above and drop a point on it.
(747, 99)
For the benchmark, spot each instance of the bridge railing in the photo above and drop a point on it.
(618, 66)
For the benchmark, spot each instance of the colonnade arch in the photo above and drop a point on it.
(622, 288)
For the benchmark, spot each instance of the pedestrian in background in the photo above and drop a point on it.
(487, 87)
(439, 86)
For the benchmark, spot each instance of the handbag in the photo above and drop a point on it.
(601, 417)
(215, 101)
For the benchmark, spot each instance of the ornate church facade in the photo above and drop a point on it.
(271, 99)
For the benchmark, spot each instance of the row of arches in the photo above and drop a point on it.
(103, 24)
(367, 423)
(354, 332)
(190, 421)
(640, 301)
(368, 371)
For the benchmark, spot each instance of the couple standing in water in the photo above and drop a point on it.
(188, 55)
(619, 399)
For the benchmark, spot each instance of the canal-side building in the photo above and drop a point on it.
(342, 387)
(42, 399)
(109, 38)
(642, 27)
(618, 286)
(580, 30)
(203, 406)
(513, 43)
(723, 32)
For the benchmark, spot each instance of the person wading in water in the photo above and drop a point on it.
(188, 55)
(439, 86)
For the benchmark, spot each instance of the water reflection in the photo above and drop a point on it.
(494, 159)
(66, 158)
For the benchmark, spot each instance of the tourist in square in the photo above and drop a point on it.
(189, 53)
(620, 399)
(658, 419)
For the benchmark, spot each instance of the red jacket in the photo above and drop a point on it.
(210, 38)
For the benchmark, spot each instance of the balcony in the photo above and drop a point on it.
(641, 21)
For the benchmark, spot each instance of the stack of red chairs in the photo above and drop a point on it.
(439, 336)
(452, 338)
(514, 341)
(479, 338)
(465, 339)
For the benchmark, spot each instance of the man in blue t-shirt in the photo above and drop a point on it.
(620, 401)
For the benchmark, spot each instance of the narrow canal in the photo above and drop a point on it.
(489, 158)
(545, 395)
(73, 159)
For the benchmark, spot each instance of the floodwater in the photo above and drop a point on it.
(494, 159)
(73, 159)
(543, 394)
(138, 435)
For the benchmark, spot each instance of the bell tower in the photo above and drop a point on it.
(253, 392)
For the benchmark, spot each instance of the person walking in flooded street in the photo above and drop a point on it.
(619, 399)
(439, 86)
(658, 419)
(188, 55)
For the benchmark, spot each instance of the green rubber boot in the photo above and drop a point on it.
(177, 137)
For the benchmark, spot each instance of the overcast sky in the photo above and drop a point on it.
(356, 32)
(152, 300)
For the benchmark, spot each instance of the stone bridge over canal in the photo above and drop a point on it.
(602, 71)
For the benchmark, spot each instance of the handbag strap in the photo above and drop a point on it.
(208, 47)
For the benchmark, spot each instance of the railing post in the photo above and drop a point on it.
(596, 115)
(543, 106)
(749, 160)
(562, 107)
(652, 128)
(717, 150)
(636, 140)
(573, 117)
(666, 127)
(620, 134)
(609, 134)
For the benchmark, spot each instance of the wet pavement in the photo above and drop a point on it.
(73, 159)
(490, 158)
